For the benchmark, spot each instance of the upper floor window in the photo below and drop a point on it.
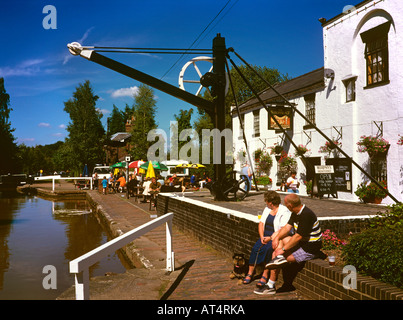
(256, 123)
(310, 110)
(376, 54)
(349, 84)
(240, 136)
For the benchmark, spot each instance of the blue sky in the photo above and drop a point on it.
(40, 74)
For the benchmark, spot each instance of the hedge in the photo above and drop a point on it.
(378, 252)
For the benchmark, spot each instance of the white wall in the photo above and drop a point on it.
(344, 53)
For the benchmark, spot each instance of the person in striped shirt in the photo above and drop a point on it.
(306, 242)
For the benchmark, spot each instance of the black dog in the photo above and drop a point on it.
(240, 267)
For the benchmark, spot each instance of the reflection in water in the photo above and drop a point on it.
(34, 233)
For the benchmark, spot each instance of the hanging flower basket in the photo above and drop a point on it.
(276, 149)
(329, 146)
(264, 163)
(374, 146)
(241, 155)
(287, 161)
(301, 150)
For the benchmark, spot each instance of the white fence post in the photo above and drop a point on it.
(170, 259)
(83, 286)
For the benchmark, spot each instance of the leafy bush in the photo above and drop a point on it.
(377, 252)
(264, 180)
(393, 216)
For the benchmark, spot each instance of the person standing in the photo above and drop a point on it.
(104, 185)
(246, 171)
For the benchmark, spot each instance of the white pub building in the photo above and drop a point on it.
(358, 92)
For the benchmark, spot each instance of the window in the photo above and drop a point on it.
(376, 54)
(256, 123)
(240, 136)
(379, 169)
(310, 110)
(349, 83)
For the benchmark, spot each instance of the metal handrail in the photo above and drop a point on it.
(82, 264)
(58, 177)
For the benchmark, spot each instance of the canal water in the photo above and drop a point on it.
(35, 233)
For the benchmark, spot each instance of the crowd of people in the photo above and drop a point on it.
(151, 186)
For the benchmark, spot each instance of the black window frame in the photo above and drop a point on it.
(376, 55)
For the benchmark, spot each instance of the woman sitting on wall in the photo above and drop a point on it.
(274, 217)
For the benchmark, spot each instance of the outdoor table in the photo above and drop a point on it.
(138, 191)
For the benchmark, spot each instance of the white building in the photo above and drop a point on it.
(358, 92)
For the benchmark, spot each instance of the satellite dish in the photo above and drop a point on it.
(348, 9)
(195, 62)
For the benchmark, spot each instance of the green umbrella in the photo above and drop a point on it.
(156, 165)
(119, 165)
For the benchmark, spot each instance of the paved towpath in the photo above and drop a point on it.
(202, 273)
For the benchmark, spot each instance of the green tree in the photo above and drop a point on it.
(144, 121)
(86, 133)
(8, 154)
(183, 122)
(116, 122)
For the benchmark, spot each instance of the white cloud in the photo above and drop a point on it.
(62, 126)
(21, 140)
(124, 92)
(103, 111)
(58, 134)
(26, 68)
(44, 124)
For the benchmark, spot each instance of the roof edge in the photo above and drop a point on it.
(357, 6)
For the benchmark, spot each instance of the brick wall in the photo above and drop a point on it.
(230, 232)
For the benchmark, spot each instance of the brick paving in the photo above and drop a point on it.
(202, 273)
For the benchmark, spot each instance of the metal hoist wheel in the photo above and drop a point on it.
(195, 62)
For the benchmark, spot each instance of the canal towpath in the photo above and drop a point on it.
(201, 273)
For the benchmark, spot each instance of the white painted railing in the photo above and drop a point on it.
(82, 264)
(53, 178)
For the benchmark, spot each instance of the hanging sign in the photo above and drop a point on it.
(283, 115)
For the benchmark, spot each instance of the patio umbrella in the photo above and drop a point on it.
(196, 166)
(150, 170)
(136, 164)
(119, 165)
(183, 165)
(190, 166)
(156, 165)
